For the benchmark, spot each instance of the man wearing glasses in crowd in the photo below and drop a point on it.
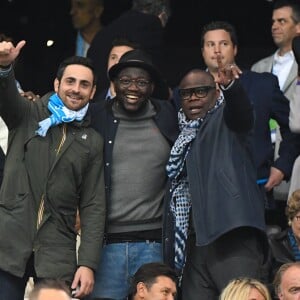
(138, 133)
(217, 208)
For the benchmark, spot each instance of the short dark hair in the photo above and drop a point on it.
(293, 4)
(76, 60)
(216, 25)
(123, 41)
(148, 274)
(53, 284)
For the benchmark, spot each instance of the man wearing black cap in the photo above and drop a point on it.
(138, 134)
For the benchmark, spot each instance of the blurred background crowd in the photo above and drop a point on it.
(41, 22)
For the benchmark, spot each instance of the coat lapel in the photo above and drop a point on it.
(291, 77)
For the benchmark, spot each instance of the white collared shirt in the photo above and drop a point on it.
(282, 66)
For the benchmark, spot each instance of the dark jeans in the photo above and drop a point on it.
(13, 287)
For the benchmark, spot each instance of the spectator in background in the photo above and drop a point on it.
(153, 281)
(60, 22)
(86, 19)
(220, 39)
(144, 24)
(287, 281)
(285, 26)
(50, 289)
(119, 47)
(285, 245)
(245, 289)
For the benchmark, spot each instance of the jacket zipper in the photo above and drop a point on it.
(42, 202)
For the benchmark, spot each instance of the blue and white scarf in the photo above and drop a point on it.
(60, 114)
(180, 196)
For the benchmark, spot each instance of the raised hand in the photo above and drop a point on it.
(30, 95)
(8, 52)
(227, 73)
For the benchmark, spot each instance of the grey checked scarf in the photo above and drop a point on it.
(180, 197)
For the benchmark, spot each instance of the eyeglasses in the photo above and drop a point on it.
(200, 92)
(297, 218)
(141, 83)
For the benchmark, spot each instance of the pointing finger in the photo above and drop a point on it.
(20, 45)
(219, 61)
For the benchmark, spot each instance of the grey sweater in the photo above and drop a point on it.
(140, 154)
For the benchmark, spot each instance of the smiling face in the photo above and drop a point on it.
(200, 102)
(76, 86)
(133, 88)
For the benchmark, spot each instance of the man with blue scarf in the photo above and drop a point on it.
(54, 167)
(216, 207)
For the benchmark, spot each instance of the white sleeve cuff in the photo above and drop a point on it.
(223, 88)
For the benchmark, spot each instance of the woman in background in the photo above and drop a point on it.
(245, 289)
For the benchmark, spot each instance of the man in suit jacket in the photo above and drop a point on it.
(285, 25)
(219, 38)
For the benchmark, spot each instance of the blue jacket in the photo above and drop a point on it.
(269, 102)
